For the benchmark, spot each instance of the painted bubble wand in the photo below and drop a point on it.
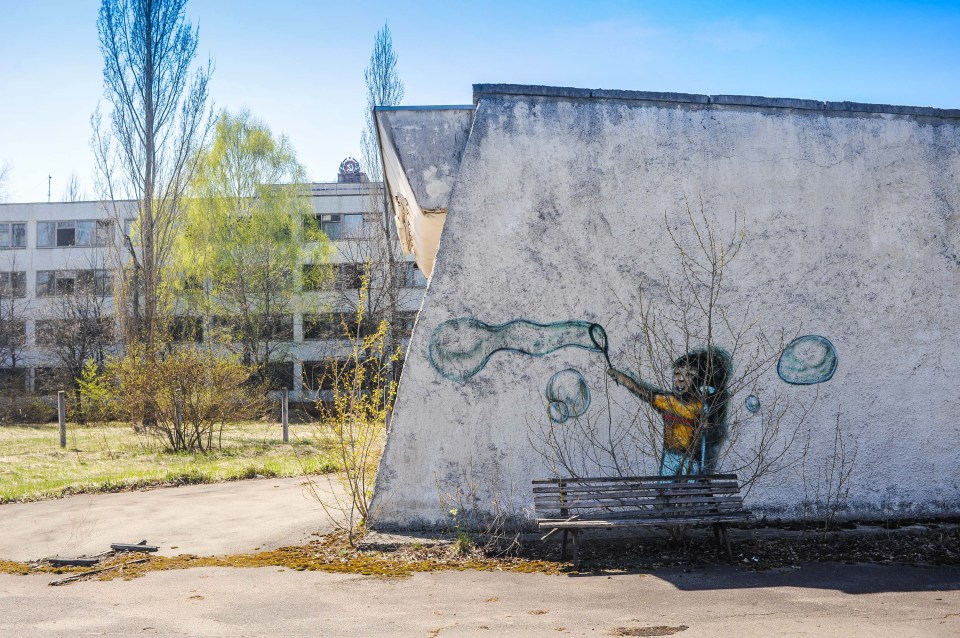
(599, 338)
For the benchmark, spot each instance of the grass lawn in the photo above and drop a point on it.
(113, 457)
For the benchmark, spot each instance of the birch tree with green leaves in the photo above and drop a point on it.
(241, 248)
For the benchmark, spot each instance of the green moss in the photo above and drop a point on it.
(330, 554)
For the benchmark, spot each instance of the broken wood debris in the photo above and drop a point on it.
(73, 562)
(90, 561)
(93, 572)
(138, 547)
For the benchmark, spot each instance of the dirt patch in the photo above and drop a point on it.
(659, 630)
(920, 545)
(926, 544)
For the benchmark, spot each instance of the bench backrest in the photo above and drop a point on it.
(610, 498)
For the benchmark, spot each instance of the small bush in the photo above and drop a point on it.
(26, 409)
(184, 398)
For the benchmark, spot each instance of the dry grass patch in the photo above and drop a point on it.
(113, 457)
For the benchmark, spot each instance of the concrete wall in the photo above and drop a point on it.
(569, 202)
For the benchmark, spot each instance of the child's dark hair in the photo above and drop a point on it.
(711, 368)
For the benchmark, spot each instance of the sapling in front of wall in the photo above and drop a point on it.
(355, 395)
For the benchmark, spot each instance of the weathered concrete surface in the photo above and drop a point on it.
(815, 600)
(564, 207)
(422, 149)
(215, 519)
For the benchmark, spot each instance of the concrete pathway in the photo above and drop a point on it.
(816, 600)
(214, 519)
(813, 600)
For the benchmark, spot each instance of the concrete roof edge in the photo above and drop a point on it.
(757, 101)
(444, 107)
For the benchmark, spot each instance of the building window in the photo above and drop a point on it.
(46, 332)
(104, 232)
(50, 380)
(53, 283)
(279, 328)
(13, 284)
(13, 235)
(322, 327)
(51, 332)
(403, 326)
(330, 226)
(349, 276)
(13, 379)
(14, 336)
(409, 275)
(352, 227)
(336, 226)
(314, 277)
(317, 375)
(279, 375)
(186, 329)
(86, 232)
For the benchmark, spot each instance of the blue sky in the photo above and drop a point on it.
(299, 65)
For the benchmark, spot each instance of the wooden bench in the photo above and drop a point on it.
(572, 505)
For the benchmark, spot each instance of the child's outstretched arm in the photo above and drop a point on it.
(639, 387)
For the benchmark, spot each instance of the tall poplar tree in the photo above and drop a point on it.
(146, 144)
(382, 249)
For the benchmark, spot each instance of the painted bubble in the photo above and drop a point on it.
(558, 411)
(807, 360)
(459, 348)
(568, 394)
(752, 403)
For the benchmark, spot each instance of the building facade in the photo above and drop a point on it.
(51, 252)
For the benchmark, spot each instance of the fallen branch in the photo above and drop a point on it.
(93, 572)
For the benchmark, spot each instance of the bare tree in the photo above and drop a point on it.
(377, 245)
(72, 192)
(4, 176)
(145, 149)
(12, 315)
(76, 326)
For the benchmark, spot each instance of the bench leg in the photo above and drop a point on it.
(716, 539)
(726, 541)
(576, 549)
(563, 546)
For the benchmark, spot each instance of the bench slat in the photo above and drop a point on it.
(628, 490)
(686, 478)
(596, 509)
(647, 498)
(733, 517)
(635, 503)
(627, 485)
(609, 514)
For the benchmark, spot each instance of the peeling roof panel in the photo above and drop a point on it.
(422, 149)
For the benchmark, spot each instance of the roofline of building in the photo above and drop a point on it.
(442, 107)
(341, 185)
(484, 90)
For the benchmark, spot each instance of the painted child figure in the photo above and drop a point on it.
(694, 412)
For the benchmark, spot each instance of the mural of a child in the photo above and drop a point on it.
(694, 413)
